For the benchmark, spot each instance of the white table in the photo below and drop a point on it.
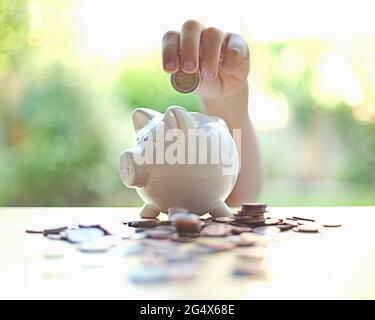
(337, 263)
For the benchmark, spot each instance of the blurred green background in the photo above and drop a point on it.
(71, 71)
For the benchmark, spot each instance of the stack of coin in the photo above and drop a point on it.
(251, 214)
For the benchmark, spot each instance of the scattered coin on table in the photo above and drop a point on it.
(146, 223)
(311, 227)
(266, 230)
(330, 223)
(305, 219)
(50, 229)
(174, 249)
(53, 236)
(99, 245)
(216, 230)
(83, 234)
(284, 227)
(159, 233)
(290, 222)
(116, 228)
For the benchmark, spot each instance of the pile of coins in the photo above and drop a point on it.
(173, 250)
(251, 213)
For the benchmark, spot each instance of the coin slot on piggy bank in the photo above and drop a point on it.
(180, 162)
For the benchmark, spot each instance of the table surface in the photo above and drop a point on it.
(337, 263)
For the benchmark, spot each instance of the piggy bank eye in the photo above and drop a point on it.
(145, 138)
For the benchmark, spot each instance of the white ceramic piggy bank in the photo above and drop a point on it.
(171, 172)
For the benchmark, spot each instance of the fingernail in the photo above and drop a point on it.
(170, 66)
(207, 75)
(235, 52)
(188, 66)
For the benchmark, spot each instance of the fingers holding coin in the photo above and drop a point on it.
(202, 54)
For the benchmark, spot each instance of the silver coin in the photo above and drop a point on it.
(266, 230)
(311, 227)
(83, 234)
(290, 222)
(284, 227)
(301, 222)
(116, 228)
(54, 236)
(99, 245)
(328, 223)
(185, 83)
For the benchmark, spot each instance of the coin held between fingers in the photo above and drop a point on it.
(185, 83)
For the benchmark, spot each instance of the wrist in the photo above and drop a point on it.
(230, 106)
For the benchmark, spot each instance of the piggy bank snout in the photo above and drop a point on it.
(131, 173)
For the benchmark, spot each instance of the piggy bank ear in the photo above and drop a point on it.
(220, 121)
(179, 118)
(141, 116)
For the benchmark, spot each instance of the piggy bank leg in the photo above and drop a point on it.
(149, 212)
(220, 209)
(172, 211)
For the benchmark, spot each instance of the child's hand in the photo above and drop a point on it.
(222, 58)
